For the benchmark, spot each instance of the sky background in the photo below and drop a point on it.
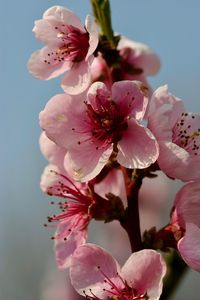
(170, 27)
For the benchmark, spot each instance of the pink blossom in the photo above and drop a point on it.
(178, 135)
(186, 223)
(75, 215)
(78, 205)
(95, 274)
(74, 218)
(68, 47)
(90, 127)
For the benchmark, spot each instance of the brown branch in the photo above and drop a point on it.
(131, 220)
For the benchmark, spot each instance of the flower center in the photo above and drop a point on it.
(186, 133)
(75, 210)
(72, 44)
(106, 121)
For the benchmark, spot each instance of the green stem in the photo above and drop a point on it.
(102, 13)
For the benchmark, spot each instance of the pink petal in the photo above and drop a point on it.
(144, 271)
(85, 162)
(65, 249)
(192, 119)
(163, 111)
(49, 178)
(138, 148)
(89, 265)
(92, 29)
(142, 56)
(112, 183)
(59, 117)
(98, 89)
(148, 89)
(41, 70)
(148, 61)
(45, 32)
(129, 97)
(63, 15)
(176, 162)
(77, 80)
(51, 151)
(100, 71)
(189, 246)
(187, 204)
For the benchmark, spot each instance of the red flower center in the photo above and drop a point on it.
(73, 45)
(106, 121)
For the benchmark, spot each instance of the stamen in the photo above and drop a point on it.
(75, 212)
(116, 293)
(72, 46)
(186, 135)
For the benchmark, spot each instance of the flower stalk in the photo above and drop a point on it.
(102, 13)
(131, 220)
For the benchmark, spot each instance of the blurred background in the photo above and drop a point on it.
(171, 28)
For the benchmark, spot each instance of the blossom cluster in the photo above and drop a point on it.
(101, 136)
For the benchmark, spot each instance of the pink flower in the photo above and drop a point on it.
(68, 47)
(74, 218)
(186, 223)
(78, 203)
(91, 127)
(178, 135)
(95, 274)
(75, 214)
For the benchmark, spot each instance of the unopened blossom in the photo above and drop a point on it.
(178, 135)
(185, 223)
(136, 61)
(91, 127)
(69, 46)
(95, 274)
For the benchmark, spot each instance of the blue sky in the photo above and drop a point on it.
(171, 28)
